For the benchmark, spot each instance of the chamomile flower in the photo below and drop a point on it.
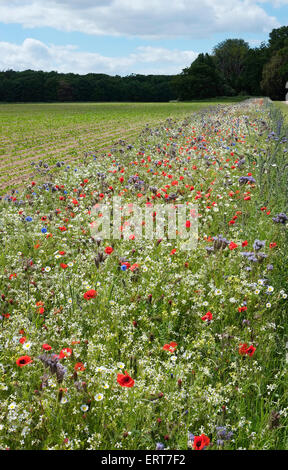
(12, 406)
(218, 292)
(120, 365)
(84, 408)
(27, 346)
(99, 397)
(270, 289)
(47, 269)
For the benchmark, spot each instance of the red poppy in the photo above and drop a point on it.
(170, 347)
(22, 340)
(250, 351)
(134, 267)
(232, 246)
(46, 346)
(207, 317)
(242, 309)
(90, 294)
(79, 366)
(125, 380)
(243, 349)
(200, 442)
(65, 352)
(23, 361)
(108, 250)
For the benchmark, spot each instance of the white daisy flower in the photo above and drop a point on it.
(99, 397)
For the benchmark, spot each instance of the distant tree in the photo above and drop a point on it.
(278, 39)
(65, 91)
(275, 75)
(200, 80)
(253, 65)
(230, 56)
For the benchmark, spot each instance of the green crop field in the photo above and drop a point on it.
(65, 131)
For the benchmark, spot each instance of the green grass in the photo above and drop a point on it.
(283, 107)
(64, 131)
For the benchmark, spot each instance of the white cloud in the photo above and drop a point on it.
(142, 18)
(34, 54)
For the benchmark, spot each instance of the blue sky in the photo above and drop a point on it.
(124, 36)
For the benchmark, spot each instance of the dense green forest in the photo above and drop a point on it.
(234, 68)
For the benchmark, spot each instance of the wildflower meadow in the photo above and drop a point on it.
(132, 342)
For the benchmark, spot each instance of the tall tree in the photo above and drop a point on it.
(230, 57)
(275, 75)
(278, 39)
(251, 76)
(200, 80)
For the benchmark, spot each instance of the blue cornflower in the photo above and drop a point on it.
(29, 219)
(160, 446)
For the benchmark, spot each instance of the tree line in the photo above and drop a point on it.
(234, 68)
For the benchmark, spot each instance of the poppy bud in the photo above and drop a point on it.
(179, 382)
(135, 324)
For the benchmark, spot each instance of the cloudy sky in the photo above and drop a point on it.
(119, 37)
